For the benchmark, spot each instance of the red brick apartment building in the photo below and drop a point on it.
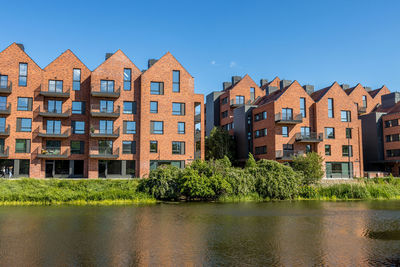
(115, 121)
(289, 119)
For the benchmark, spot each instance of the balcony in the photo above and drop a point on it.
(309, 137)
(109, 94)
(101, 112)
(4, 152)
(104, 133)
(45, 134)
(362, 110)
(52, 153)
(54, 113)
(104, 153)
(5, 131)
(235, 104)
(6, 89)
(288, 154)
(5, 109)
(288, 118)
(57, 94)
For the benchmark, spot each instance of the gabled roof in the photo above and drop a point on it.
(14, 45)
(350, 90)
(67, 52)
(163, 57)
(274, 82)
(393, 109)
(246, 76)
(275, 95)
(375, 92)
(317, 95)
(119, 51)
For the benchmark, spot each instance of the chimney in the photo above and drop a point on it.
(235, 79)
(226, 85)
(285, 83)
(263, 82)
(368, 89)
(309, 88)
(151, 62)
(345, 86)
(270, 89)
(390, 100)
(21, 46)
(108, 55)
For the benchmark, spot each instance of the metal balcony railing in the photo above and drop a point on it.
(6, 88)
(362, 110)
(98, 111)
(309, 137)
(52, 153)
(103, 153)
(288, 118)
(104, 133)
(58, 94)
(4, 152)
(5, 109)
(96, 92)
(53, 134)
(55, 113)
(5, 131)
(288, 154)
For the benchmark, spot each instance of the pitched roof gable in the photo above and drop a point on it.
(118, 53)
(15, 46)
(66, 53)
(277, 94)
(375, 92)
(319, 94)
(275, 82)
(166, 55)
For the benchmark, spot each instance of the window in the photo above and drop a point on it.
(153, 107)
(130, 168)
(3, 103)
(181, 128)
(22, 146)
(303, 107)
(347, 151)
(153, 146)
(260, 150)
(285, 131)
(330, 108)
(77, 147)
(23, 74)
(364, 101)
(55, 86)
(128, 147)
(127, 79)
(129, 127)
(78, 107)
(107, 86)
(53, 147)
(393, 138)
(76, 82)
(129, 107)
(178, 109)
(197, 128)
(24, 167)
(305, 132)
(260, 133)
(345, 115)
(114, 167)
(224, 114)
(78, 127)
(239, 99)
(393, 153)
(2, 125)
(53, 127)
(308, 148)
(107, 106)
(327, 150)
(156, 127)
(260, 116)
(54, 106)
(178, 148)
(348, 133)
(3, 81)
(330, 133)
(224, 100)
(156, 88)
(106, 127)
(391, 123)
(287, 114)
(288, 147)
(24, 125)
(105, 147)
(24, 104)
(252, 93)
(176, 81)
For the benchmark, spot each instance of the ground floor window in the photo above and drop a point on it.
(116, 168)
(156, 163)
(57, 168)
(339, 169)
(130, 168)
(24, 167)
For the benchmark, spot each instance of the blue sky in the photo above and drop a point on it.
(314, 42)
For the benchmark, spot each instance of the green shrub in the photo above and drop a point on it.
(196, 186)
(311, 167)
(242, 182)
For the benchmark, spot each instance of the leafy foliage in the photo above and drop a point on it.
(220, 144)
(310, 166)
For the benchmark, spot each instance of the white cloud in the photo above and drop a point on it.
(232, 64)
(213, 62)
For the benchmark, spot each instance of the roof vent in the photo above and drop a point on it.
(285, 83)
(108, 55)
(270, 89)
(21, 46)
(151, 62)
(236, 79)
(309, 88)
(345, 86)
(226, 85)
(368, 89)
(263, 82)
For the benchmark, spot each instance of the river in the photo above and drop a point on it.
(299, 233)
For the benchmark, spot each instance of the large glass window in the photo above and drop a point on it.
(54, 106)
(156, 127)
(239, 99)
(330, 133)
(76, 83)
(23, 74)
(345, 115)
(114, 167)
(106, 127)
(305, 131)
(2, 125)
(107, 86)
(153, 107)
(78, 127)
(3, 81)
(128, 147)
(176, 81)
(181, 128)
(129, 107)
(303, 107)
(107, 106)
(330, 108)
(364, 100)
(130, 168)
(153, 146)
(129, 127)
(285, 131)
(178, 109)
(287, 114)
(252, 93)
(77, 147)
(347, 151)
(24, 125)
(55, 86)
(127, 79)
(78, 107)
(22, 146)
(53, 127)
(105, 147)
(24, 104)
(24, 167)
(3, 102)
(178, 147)
(53, 147)
(157, 88)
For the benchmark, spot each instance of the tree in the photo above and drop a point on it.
(219, 144)
(310, 166)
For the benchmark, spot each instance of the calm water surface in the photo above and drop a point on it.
(308, 233)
